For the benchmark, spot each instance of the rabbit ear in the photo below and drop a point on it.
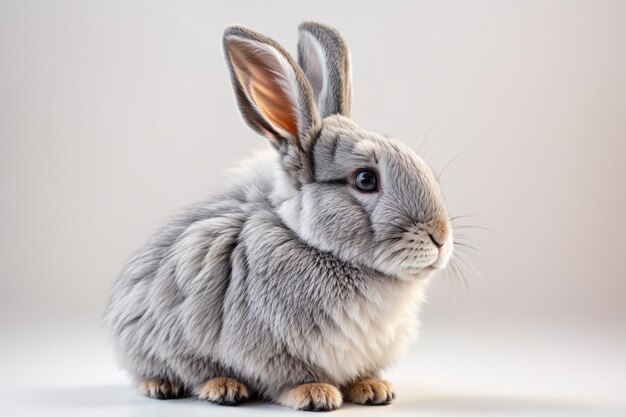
(273, 94)
(325, 59)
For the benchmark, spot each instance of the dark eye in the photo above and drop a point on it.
(366, 180)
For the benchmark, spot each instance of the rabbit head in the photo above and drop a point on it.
(365, 198)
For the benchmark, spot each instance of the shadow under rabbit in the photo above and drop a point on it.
(421, 403)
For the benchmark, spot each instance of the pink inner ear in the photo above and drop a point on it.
(262, 77)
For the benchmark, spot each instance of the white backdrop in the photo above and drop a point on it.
(115, 114)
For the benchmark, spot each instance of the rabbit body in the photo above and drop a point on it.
(304, 275)
(207, 296)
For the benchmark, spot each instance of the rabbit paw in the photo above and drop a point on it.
(160, 388)
(369, 391)
(223, 390)
(312, 397)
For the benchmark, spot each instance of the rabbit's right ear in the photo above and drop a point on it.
(325, 59)
(273, 94)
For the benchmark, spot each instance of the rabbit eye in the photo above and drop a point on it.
(366, 180)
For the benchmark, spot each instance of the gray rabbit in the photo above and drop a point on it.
(301, 280)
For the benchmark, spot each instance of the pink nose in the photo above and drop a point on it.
(438, 244)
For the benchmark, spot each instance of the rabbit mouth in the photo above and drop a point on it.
(440, 262)
(418, 270)
(419, 274)
(425, 271)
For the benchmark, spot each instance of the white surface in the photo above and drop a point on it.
(454, 370)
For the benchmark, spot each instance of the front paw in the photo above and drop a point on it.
(369, 391)
(223, 390)
(312, 397)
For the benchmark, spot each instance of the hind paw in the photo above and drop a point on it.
(369, 391)
(160, 388)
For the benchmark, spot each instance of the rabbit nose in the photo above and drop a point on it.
(435, 241)
(440, 233)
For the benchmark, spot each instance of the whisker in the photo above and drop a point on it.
(471, 226)
(467, 216)
(419, 150)
(473, 270)
(473, 252)
(443, 170)
(448, 282)
(461, 200)
(438, 154)
(460, 274)
(451, 179)
(432, 145)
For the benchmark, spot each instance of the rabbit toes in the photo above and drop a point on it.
(312, 397)
(370, 391)
(224, 391)
(160, 388)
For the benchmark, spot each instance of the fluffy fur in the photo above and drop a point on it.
(290, 284)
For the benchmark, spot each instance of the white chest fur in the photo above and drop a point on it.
(371, 333)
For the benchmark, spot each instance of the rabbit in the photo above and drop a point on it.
(300, 281)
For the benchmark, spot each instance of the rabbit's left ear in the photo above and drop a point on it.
(325, 59)
(274, 95)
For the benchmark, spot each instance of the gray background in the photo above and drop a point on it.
(115, 114)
